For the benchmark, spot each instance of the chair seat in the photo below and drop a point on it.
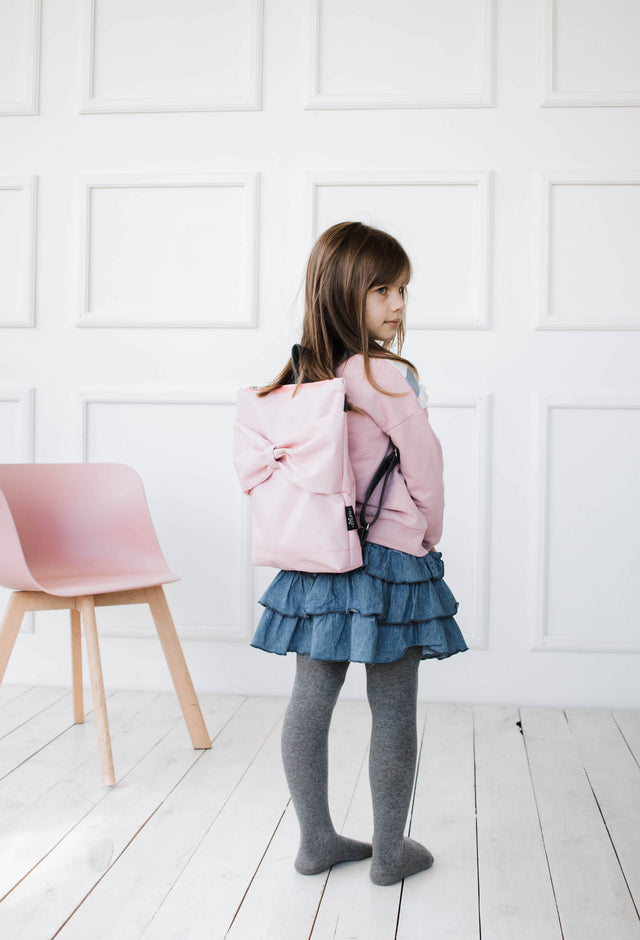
(82, 585)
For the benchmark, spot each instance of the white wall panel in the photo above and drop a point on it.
(180, 444)
(463, 426)
(16, 446)
(588, 250)
(16, 425)
(588, 519)
(444, 222)
(373, 54)
(172, 55)
(170, 251)
(590, 53)
(17, 250)
(19, 56)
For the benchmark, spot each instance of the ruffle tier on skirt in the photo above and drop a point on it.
(371, 615)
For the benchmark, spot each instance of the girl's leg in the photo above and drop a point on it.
(392, 689)
(305, 758)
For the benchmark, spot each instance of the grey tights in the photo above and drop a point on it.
(392, 694)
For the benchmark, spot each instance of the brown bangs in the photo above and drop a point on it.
(390, 263)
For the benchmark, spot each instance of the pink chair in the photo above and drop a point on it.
(77, 537)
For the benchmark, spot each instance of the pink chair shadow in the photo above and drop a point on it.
(77, 537)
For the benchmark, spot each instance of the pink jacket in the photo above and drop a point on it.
(411, 517)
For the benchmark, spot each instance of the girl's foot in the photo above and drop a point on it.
(323, 854)
(388, 870)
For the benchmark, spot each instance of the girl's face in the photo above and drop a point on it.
(384, 310)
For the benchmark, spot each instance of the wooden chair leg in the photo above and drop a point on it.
(76, 667)
(88, 611)
(178, 668)
(11, 623)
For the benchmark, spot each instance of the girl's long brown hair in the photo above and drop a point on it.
(346, 261)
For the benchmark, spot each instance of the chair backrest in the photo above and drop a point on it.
(14, 572)
(77, 517)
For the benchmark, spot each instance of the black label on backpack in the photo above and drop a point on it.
(351, 518)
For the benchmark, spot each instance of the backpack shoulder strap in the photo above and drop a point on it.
(297, 353)
(391, 460)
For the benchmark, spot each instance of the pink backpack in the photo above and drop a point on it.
(291, 453)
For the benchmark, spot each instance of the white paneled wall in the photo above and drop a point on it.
(159, 55)
(372, 54)
(589, 459)
(463, 426)
(590, 53)
(444, 223)
(589, 245)
(156, 251)
(16, 424)
(16, 444)
(186, 153)
(20, 57)
(17, 249)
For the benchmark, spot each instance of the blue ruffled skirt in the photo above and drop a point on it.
(371, 615)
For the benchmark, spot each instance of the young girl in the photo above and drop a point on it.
(396, 609)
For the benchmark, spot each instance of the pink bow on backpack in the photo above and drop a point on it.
(307, 454)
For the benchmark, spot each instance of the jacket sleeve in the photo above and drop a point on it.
(422, 469)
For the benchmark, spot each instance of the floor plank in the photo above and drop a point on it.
(9, 692)
(45, 716)
(279, 902)
(629, 724)
(210, 888)
(19, 709)
(614, 776)
(442, 903)
(592, 896)
(516, 897)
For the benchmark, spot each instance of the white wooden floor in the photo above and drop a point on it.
(535, 834)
